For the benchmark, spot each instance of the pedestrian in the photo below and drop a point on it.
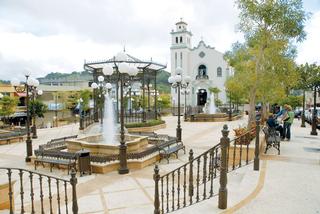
(287, 122)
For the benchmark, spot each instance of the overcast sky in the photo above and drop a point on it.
(57, 36)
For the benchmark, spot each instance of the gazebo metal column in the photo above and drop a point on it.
(143, 97)
(155, 96)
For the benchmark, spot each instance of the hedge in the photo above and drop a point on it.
(146, 124)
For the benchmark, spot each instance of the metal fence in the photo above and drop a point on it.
(195, 180)
(33, 192)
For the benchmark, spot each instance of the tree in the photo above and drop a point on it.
(215, 91)
(269, 27)
(7, 107)
(85, 95)
(39, 108)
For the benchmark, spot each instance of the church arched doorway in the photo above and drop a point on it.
(202, 97)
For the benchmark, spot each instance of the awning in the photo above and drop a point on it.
(21, 94)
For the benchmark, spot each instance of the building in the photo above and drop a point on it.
(20, 114)
(204, 64)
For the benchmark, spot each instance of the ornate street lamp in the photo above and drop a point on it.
(314, 114)
(185, 93)
(25, 88)
(176, 81)
(34, 92)
(123, 70)
(103, 88)
(230, 108)
(80, 101)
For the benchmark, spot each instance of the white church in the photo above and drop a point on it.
(204, 64)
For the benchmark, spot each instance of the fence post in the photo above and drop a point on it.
(191, 175)
(73, 182)
(223, 191)
(156, 178)
(256, 149)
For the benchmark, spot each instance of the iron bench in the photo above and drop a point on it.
(166, 150)
(272, 138)
(57, 159)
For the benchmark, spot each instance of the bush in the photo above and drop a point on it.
(146, 124)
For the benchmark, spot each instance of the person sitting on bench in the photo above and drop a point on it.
(273, 123)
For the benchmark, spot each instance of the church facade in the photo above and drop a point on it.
(204, 64)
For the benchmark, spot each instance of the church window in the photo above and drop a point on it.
(175, 59)
(180, 39)
(219, 72)
(202, 70)
(181, 59)
(177, 40)
(202, 54)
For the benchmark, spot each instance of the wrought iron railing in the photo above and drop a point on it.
(204, 76)
(39, 193)
(189, 183)
(57, 143)
(52, 150)
(238, 150)
(194, 181)
(87, 120)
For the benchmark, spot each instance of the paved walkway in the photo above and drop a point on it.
(292, 180)
(288, 183)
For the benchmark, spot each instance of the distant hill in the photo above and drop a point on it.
(162, 78)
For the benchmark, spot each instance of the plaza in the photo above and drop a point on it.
(159, 107)
(249, 191)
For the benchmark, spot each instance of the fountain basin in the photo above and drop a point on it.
(96, 146)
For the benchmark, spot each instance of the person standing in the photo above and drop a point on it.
(287, 122)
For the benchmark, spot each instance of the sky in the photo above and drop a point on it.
(44, 36)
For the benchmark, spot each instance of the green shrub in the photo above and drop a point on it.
(146, 124)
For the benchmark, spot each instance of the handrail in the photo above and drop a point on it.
(57, 195)
(192, 182)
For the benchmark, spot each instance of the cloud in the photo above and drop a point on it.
(56, 36)
(308, 50)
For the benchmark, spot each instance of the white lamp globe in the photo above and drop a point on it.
(107, 70)
(80, 100)
(133, 71)
(177, 78)
(171, 79)
(36, 83)
(30, 81)
(40, 92)
(15, 82)
(179, 70)
(121, 56)
(123, 68)
(94, 85)
(1, 96)
(187, 79)
(108, 86)
(100, 78)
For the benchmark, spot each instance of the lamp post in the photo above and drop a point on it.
(123, 70)
(230, 109)
(185, 92)
(34, 92)
(103, 87)
(80, 101)
(21, 89)
(314, 115)
(176, 81)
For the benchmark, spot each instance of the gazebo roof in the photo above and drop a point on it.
(140, 64)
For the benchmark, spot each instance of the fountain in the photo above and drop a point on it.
(212, 105)
(107, 142)
(109, 125)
